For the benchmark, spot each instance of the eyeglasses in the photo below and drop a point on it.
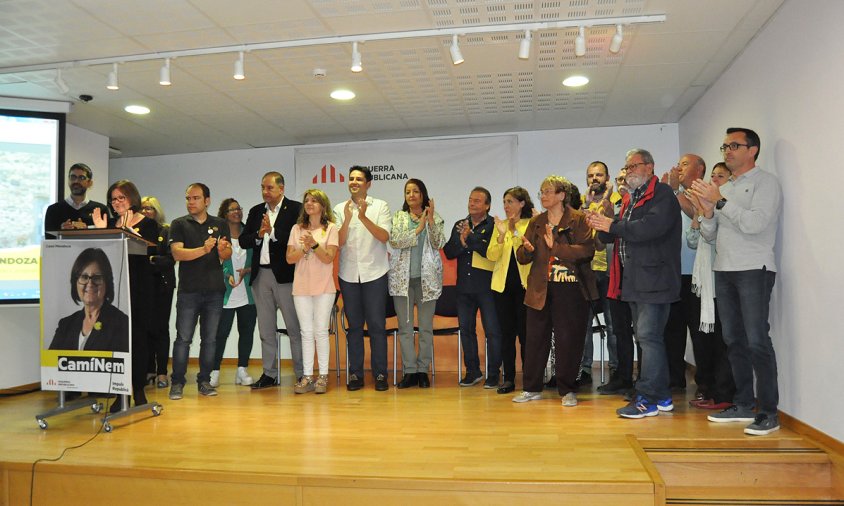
(733, 146)
(84, 279)
(119, 198)
(633, 166)
(547, 191)
(81, 178)
(233, 209)
(148, 208)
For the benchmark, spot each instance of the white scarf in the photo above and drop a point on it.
(703, 284)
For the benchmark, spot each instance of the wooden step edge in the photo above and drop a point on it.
(740, 458)
(768, 496)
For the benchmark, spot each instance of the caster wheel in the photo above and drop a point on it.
(107, 427)
(97, 407)
(42, 423)
(156, 410)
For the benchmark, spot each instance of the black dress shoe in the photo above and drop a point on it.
(506, 387)
(355, 383)
(264, 382)
(408, 380)
(424, 382)
(381, 383)
(491, 382)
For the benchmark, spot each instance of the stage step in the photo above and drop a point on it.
(768, 472)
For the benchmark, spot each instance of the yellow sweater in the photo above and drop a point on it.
(500, 253)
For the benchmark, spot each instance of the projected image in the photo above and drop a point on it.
(28, 175)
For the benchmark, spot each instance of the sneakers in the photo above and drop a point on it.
(763, 425)
(161, 381)
(527, 396)
(733, 414)
(381, 383)
(491, 383)
(570, 400)
(321, 384)
(583, 378)
(206, 389)
(176, 390)
(709, 404)
(665, 405)
(471, 378)
(242, 377)
(215, 378)
(304, 385)
(355, 383)
(638, 408)
(616, 386)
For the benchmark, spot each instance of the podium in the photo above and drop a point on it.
(120, 244)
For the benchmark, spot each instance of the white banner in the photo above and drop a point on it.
(449, 168)
(85, 316)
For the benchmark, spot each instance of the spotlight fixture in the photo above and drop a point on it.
(356, 62)
(164, 74)
(617, 39)
(524, 47)
(112, 78)
(456, 55)
(63, 87)
(580, 42)
(239, 73)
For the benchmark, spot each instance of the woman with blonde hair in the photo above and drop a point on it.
(164, 272)
(312, 246)
(559, 287)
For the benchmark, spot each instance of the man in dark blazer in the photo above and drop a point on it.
(266, 231)
(645, 273)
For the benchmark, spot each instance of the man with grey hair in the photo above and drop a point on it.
(75, 210)
(645, 273)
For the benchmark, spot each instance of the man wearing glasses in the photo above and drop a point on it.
(75, 211)
(645, 273)
(742, 217)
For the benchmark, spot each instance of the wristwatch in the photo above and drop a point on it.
(315, 246)
(720, 204)
(700, 218)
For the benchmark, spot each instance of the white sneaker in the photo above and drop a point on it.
(242, 377)
(570, 400)
(527, 396)
(215, 378)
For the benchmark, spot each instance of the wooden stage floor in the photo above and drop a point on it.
(445, 445)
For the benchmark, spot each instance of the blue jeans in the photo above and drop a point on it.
(743, 299)
(190, 307)
(366, 302)
(468, 305)
(649, 325)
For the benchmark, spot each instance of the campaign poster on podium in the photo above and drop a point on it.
(85, 316)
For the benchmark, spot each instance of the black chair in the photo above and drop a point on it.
(390, 312)
(447, 308)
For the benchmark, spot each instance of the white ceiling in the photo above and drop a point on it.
(408, 88)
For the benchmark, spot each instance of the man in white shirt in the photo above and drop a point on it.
(364, 224)
(266, 231)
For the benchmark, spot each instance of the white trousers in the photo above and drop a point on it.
(314, 313)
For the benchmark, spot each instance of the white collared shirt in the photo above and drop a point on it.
(265, 245)
(74, 205)
(363, 258)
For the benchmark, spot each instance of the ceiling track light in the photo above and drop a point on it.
(239, 72)
(356, 61)
(456, 55)
(60, 84)
(112, 83)
(580, 42)
(164, 74)
(617, 39)
(524, 47)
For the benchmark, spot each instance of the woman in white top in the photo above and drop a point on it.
(237, 300)
(312, 246)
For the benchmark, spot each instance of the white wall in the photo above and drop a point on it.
(237, 173)
(787, 86)
(20, 338)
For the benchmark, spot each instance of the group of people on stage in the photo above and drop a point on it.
(539, 277)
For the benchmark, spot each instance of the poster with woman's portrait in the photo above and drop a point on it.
(85, 315)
